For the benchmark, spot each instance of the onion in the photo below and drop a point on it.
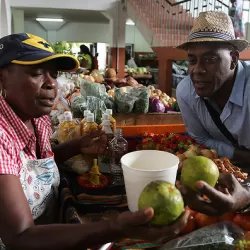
(190, 153)
(207, 153)
(181, 157)
(195, 148)
(214, 153)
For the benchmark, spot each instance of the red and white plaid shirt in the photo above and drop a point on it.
(15, 138)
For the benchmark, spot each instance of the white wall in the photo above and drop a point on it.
(35, 28)
(84, 32)
(89, 33)
(134, 36)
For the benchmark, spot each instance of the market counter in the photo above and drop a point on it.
(155, 129)
(137, 124)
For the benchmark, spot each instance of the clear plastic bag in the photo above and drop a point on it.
(96, 106)
(77, 164)
(92, 89)
(125, 100)
(96, 90)
(142, 103)
(78, 105)
(220, 236)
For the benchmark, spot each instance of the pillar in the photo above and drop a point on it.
(165, 56)
(18, 20)
(117, 17)
(5, 18)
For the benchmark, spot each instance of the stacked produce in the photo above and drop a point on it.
(168, 205)
(129, 91)
(224, 164)
(169, 142)
(137, 71)
(185, 147)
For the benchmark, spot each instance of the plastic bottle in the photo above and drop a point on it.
(105, 116)
(117, 148)
(83, 121)
(107, 129)
(90, 125)
(112, 119)
(66, 130)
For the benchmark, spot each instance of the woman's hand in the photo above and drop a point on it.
(134, 225)
(228, 196)
(95, 142)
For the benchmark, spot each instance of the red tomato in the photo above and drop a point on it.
(203, 220)
(242, 221)
(84, 182)
(190, 226)
(227, 217)
(191, 212)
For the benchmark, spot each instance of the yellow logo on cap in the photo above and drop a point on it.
(38, 42)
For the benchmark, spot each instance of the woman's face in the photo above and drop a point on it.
(30, 90)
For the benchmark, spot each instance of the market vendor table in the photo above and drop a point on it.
(79, 207)
(156, 129)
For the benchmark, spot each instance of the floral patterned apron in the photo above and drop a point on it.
(40, 181)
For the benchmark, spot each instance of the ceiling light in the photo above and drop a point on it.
(43, 19)
(130, 22)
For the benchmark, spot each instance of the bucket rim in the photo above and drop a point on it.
(150, 170)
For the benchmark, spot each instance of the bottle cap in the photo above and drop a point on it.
(67, 116)
(106, 117)
(118, 132)
(86, 112)
(109, 111)
(90, 117)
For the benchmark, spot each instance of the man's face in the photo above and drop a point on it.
(210, 66)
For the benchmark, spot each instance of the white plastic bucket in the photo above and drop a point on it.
(142, 167)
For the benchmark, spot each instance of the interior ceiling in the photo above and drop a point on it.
(67, 14)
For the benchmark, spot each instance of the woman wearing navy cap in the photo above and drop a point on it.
(29, 176)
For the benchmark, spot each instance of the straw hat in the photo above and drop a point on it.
(214, 26)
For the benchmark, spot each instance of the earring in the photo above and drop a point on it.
(3, 93)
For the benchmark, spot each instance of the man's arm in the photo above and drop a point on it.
(198, 132)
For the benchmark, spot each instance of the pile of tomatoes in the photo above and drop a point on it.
(198, 220)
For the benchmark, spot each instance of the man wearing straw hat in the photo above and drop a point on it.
(215, 104)
(215, 98)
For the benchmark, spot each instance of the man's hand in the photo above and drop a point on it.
(135, 225)
(228, 196)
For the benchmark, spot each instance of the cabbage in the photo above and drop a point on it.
(155, 105)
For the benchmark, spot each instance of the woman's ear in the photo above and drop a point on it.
(235, 58)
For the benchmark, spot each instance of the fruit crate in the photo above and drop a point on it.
(148, 119)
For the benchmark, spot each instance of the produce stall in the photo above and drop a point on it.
(89, 187)
(230, 231)
(136, 108)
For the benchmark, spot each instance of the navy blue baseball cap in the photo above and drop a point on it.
(28, 49)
